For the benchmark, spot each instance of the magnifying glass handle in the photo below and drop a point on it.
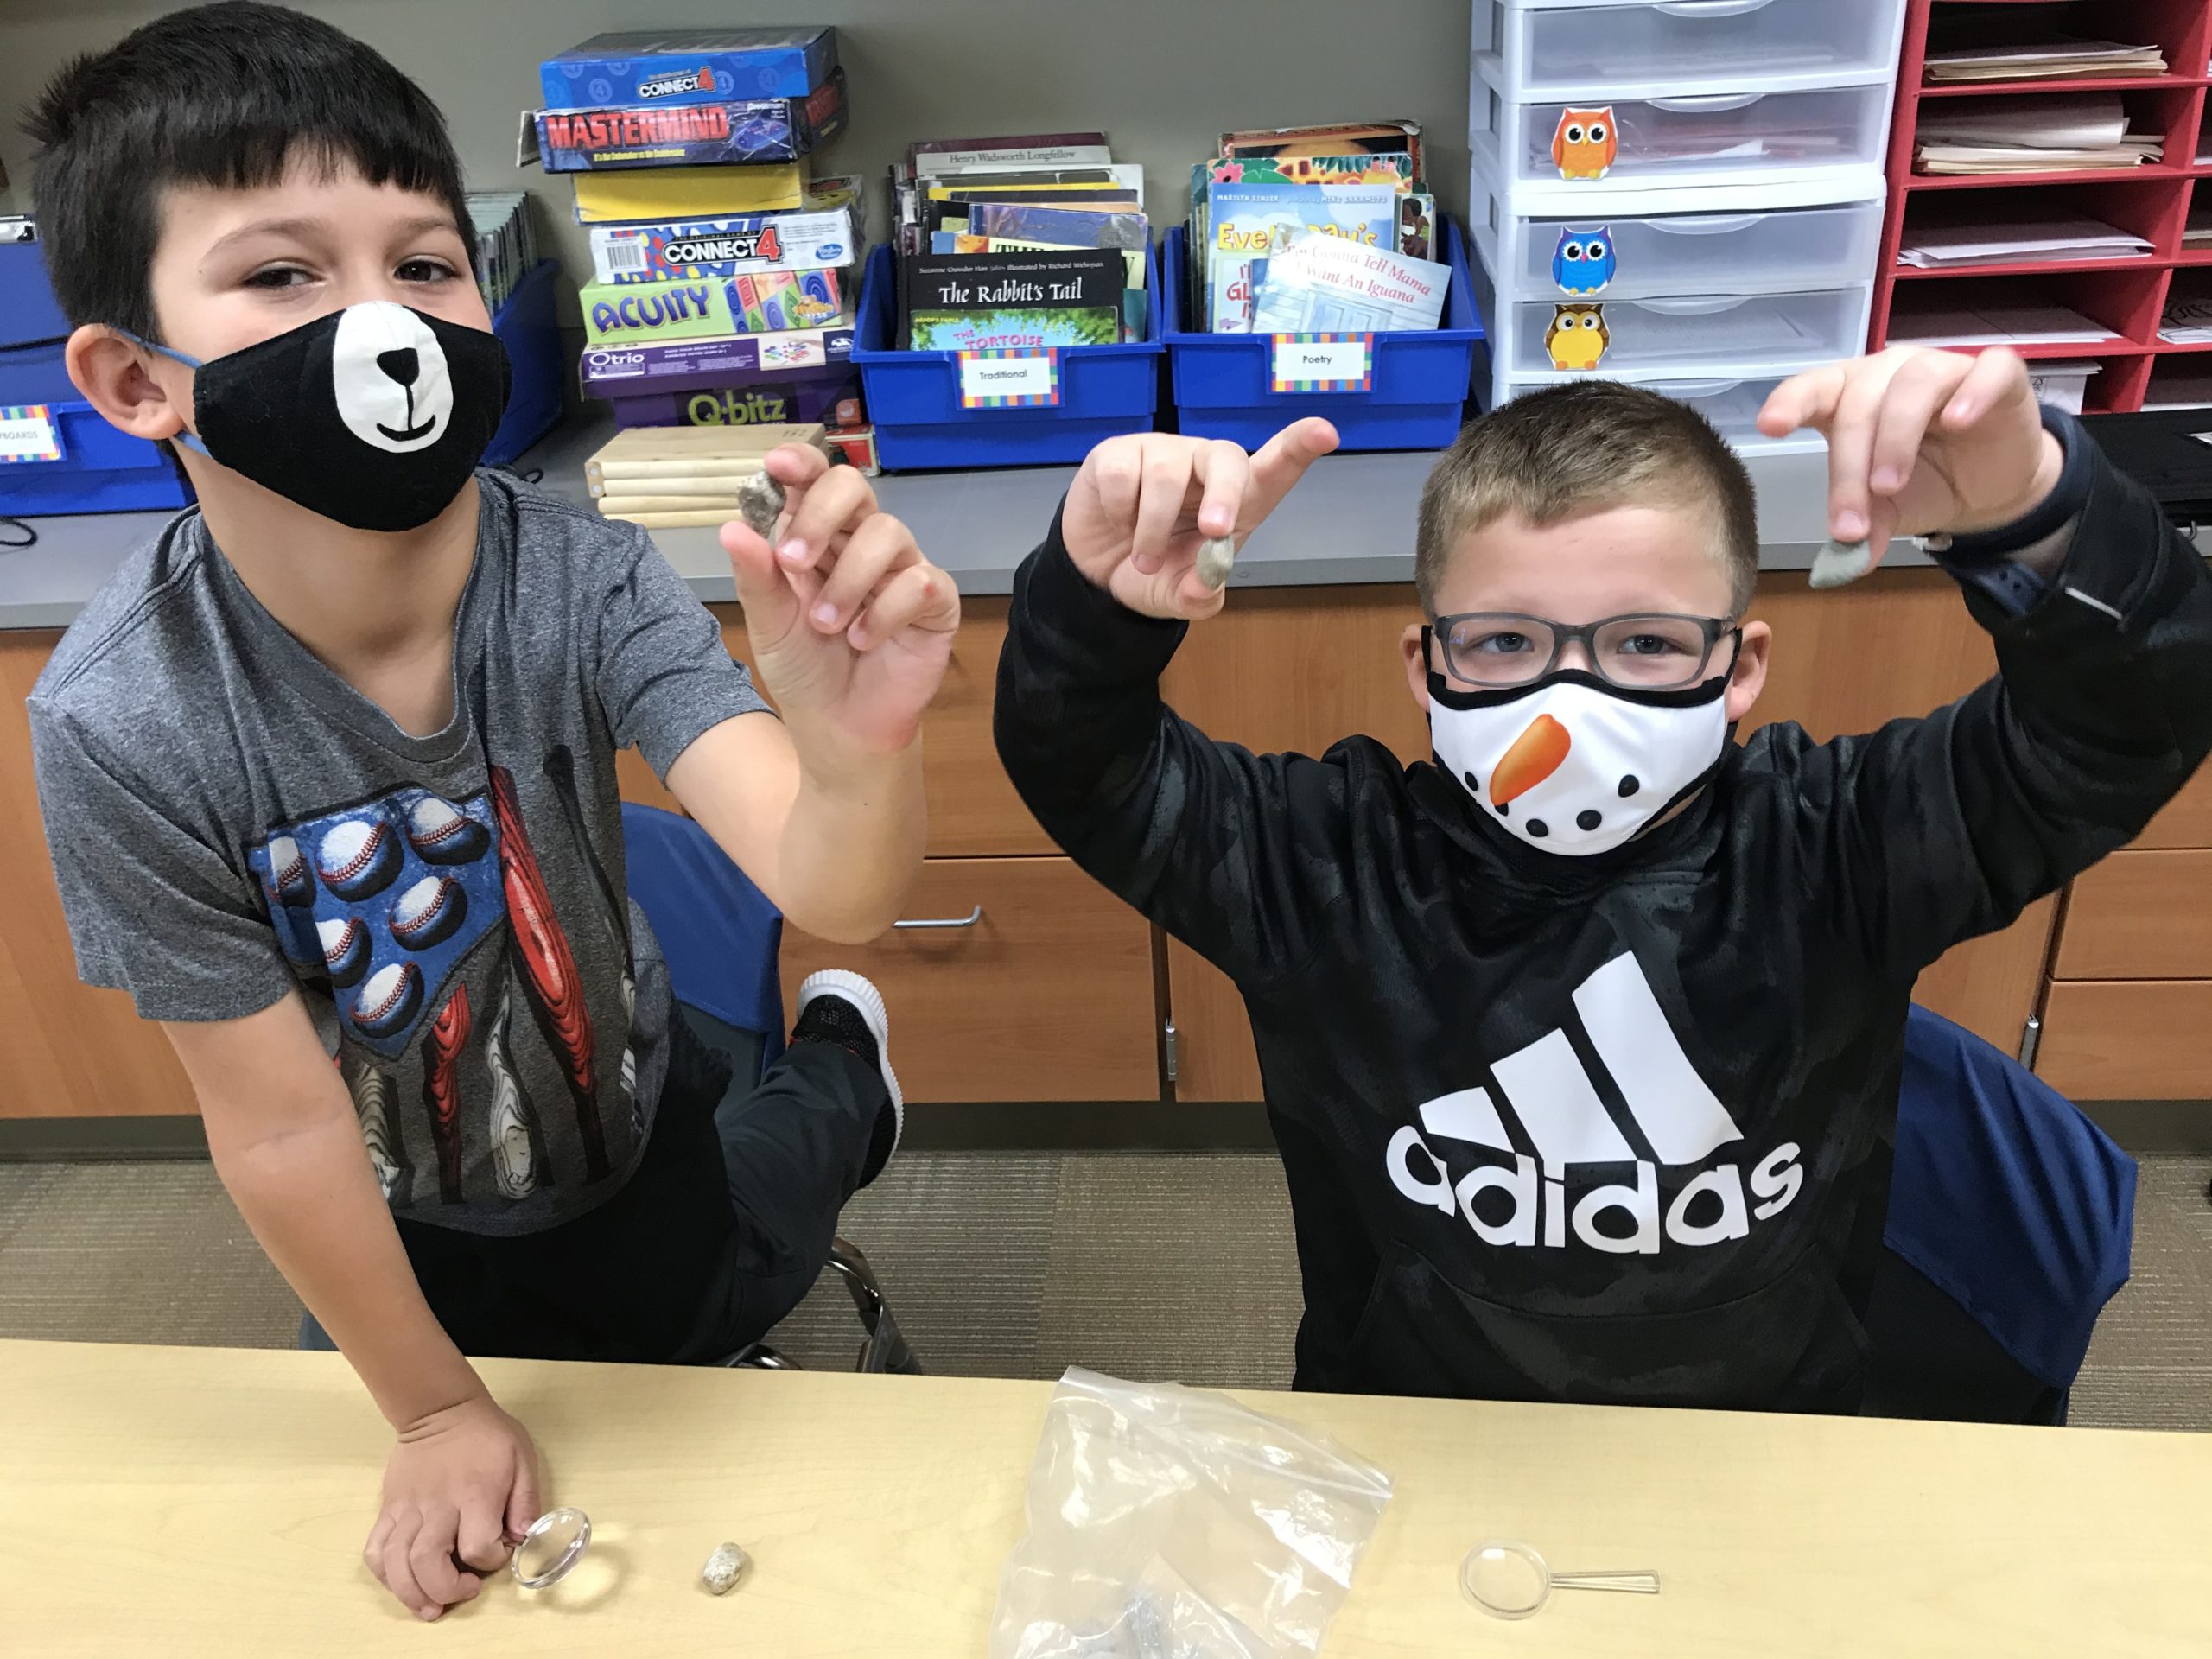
(1632, 1583)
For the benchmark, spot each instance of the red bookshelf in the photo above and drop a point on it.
(2127, 295)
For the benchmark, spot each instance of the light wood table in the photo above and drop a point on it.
(182, 1502)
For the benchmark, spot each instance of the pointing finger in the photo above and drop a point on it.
(1282, 461)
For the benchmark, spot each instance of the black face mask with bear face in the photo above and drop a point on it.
(373, 416)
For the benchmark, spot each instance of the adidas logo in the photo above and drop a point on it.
(1677, 1117)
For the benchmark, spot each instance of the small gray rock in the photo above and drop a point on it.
(760, 503)
(1216, 554)
(1838, 563)
(724, 1568)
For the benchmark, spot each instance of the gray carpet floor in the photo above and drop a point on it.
(1157, 1266)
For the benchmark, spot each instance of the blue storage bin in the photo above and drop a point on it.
(101, 470)
(1420, 379)
(913, 398)
(528, 327)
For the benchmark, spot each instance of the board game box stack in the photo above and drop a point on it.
(720, 293)
(1033, 242)
(1315, 230)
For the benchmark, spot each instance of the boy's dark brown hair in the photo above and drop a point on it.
(224, 94)
(1580, 448)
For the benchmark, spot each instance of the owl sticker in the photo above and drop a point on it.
(1583, 263)
(1578, 337)
(1585, 143)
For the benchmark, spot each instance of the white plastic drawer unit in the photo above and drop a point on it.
(1553, 150)
(1634, 49)
(1602, 256)
(1738, 333)
(1732, 405)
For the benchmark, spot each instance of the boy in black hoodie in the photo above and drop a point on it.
(1581, 1040)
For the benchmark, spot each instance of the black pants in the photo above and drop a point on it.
(721, 1229)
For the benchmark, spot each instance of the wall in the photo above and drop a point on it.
(1161, 78)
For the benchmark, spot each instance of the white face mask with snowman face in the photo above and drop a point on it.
(1572, 764)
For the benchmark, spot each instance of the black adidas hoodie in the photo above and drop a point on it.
(1730, 989)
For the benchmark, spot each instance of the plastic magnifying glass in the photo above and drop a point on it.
(1510, 1580)
(556, 1541)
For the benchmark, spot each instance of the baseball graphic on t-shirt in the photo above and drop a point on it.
(388, 376)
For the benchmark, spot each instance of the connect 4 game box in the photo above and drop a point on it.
(691, 66)
(690, 249)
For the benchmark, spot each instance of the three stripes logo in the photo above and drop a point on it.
(1547, 1089)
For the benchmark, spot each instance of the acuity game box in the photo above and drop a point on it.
(690, 66)
(728, 131)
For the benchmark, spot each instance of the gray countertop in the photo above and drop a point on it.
(1351, 520)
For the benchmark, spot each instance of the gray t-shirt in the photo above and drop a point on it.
(229, 819)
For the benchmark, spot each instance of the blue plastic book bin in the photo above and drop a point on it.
(913, 398)
(527, 327)
(1420, 380)
(99, 470)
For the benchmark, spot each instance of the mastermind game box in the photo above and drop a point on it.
(727, 131)
(690, 66)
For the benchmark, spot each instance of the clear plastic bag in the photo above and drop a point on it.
(1167, 1523)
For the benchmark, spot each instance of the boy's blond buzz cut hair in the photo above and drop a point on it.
(1582, 448)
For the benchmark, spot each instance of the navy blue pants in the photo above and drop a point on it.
(722, 1228)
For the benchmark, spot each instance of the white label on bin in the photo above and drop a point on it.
(998, 378)
(1322, 363)
(29, 432)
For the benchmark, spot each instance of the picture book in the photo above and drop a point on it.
(976, 331)
(760, 302)
(1125, 176)
(690, 66)
(736, 131)
(968, 301)
(1417, 237)
(953, 213)
(1062, 227)
(1325, 284)
(1379, 138)
(723, 247)
(1249, 221)
(1047, 148)
(1396, 168)
(636, 195)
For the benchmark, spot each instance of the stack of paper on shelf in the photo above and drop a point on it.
(2016, 241)
(2051, 59)
(2187, 319)
(2030, 135)
(1984, 320)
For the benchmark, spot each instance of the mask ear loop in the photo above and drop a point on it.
(190, 439)
(30, 535)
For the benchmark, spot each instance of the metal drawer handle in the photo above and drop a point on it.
(969, 920)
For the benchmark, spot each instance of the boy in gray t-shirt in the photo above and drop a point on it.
(328, 772)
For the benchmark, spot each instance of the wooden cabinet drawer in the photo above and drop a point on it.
(2128, 1039)
(2187, 821)
(1048, 995)
(66, 1050)
(2140, 915)
(973, 809)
